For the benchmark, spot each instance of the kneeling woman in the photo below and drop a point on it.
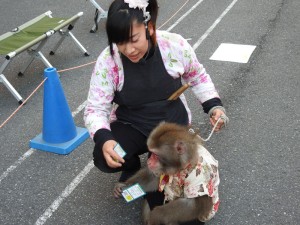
(131, 82)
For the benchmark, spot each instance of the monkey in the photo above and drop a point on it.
(188, 174)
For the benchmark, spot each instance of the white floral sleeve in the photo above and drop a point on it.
(180, 60)
(195, 74)
(101, 93)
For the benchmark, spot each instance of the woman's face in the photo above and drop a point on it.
(137, 47)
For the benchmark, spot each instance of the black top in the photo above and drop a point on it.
(143, 99)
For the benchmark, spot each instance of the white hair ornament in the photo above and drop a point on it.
(141, 4)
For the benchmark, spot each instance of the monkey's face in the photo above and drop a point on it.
(164, 161)
(153, 164)
(172, 147)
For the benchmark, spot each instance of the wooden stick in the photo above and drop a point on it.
(177, 93)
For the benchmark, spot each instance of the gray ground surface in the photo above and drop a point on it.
(258, 152)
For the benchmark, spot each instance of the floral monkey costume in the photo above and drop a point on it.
(192, 182)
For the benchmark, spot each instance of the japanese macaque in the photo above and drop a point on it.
(187, 173)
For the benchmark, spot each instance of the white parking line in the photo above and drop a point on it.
(54, 206)
(184, 15)
(78, 110)
(209, 30)
(68, 190)
(16, 163)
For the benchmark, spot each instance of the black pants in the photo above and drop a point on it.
(134, 144)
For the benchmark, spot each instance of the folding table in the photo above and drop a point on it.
(35, 32)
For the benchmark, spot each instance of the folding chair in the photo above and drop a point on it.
(35, 32)
(98, 17)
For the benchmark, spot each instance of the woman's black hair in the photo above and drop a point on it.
(120, 18)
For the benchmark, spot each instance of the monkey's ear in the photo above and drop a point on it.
(180, 147)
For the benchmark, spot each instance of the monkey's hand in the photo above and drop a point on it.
(145, 178)
(118, 189)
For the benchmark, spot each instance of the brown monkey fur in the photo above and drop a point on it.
(172, 147)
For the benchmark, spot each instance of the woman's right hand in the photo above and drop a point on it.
(113, 160)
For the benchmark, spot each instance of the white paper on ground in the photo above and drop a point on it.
(233, 53)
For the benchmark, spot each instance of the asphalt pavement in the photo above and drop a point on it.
(258, 153)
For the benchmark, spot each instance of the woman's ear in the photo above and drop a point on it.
(150, 28)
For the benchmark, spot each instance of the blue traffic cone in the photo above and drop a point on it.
(59, 135)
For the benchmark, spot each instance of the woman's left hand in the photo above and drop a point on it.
(216, 114)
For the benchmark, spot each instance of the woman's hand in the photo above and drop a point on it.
(216, 114)
(112, 159)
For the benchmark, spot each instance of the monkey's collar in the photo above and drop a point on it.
(164, 179)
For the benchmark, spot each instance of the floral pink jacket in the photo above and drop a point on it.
(108, 76)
